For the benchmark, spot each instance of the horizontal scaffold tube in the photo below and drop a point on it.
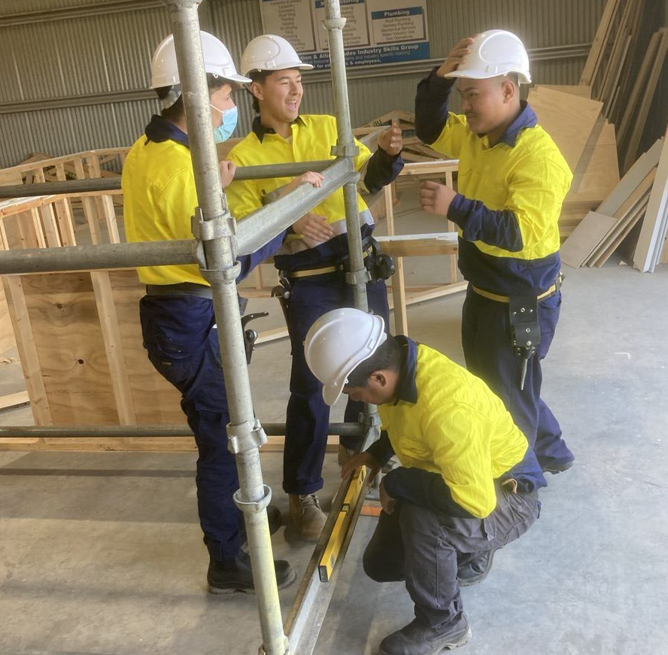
(103, 256)
(267, 171)
(141, 431)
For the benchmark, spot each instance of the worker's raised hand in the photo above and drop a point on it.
(435, 198)
(315, 179)
(455, 57)
(227, 171)
(391, 141)
(363, 459)
(313, 228)
(386, 501)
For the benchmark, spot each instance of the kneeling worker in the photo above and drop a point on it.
(467, 484)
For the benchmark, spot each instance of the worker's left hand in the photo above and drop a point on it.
(227, 171)
(386, 501)
(436, 198)
(391, 141)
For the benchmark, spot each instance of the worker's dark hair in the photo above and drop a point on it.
(177, 111)
(388, 357)
(259, 77)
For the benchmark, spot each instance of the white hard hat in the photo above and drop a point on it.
(493, 53)
(270, 53)
(217, 61)
(337, 343)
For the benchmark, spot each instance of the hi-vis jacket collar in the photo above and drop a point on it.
(260, 130)
(161, 130)
(526, 118)
(407, 388)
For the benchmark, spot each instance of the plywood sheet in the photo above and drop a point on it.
(585, 238)
(567, 118)
(156, 401)
(70, 348)
(597, 173)
(581, 90)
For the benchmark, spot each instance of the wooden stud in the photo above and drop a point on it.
(398, 282)
(599, 44)
(104, 202)
(64, 213)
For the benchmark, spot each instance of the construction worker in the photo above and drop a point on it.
(467, 484)
(512, 181)
(312, 265)
(177, 315)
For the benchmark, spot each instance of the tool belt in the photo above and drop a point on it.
(546, 294)
(379, 265)
(524, 322)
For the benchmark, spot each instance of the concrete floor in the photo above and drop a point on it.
(102, 553)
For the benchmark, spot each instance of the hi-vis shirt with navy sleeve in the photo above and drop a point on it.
(159, 199)
(510, 194)
(312, 138)
(452, 435)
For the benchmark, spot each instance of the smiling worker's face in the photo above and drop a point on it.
(280, 95)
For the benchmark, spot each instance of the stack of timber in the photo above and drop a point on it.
(623, 71)
(641, 194)
(586, 141)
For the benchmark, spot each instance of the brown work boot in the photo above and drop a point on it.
(306, 515)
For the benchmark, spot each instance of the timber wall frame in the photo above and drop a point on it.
(78, 334)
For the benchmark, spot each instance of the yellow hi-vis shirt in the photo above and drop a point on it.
(159, 199)
(312, 139)
(458, 428)
(530, 178)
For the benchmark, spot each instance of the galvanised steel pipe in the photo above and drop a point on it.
(268, 171)
(258, 228)
(146, 431)
(245, 434)
(345, 147)
(103, 256)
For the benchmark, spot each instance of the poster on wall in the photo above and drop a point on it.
(376, 31)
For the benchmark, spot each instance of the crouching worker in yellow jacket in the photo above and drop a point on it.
(468, 480)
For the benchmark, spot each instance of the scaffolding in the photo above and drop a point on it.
(218, 241)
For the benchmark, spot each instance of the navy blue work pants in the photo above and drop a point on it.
(182, 344)
(425, 547)
(307, 418)
(489, 354)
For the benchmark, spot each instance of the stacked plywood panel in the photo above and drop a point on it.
(603, 231)
(587, 142)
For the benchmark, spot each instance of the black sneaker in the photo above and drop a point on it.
(226, 577)
(476, 569)
(417, 639)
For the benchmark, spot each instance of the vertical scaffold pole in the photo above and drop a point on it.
(214, 227)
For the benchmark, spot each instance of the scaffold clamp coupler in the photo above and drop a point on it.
(246, 436)
(358, 277)
(334, 23)
(224, 276)
(219, 227)
(253, 506)
(345, 150)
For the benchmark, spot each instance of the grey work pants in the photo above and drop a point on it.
(424, 548)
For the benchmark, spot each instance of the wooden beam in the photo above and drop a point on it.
(14, 400)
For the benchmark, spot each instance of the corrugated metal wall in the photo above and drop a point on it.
(75, 72)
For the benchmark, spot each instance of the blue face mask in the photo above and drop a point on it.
(224, 132)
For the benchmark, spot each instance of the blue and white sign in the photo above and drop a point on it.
(376, 31)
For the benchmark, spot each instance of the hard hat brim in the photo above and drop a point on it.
(477, 75)
(330, 394)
